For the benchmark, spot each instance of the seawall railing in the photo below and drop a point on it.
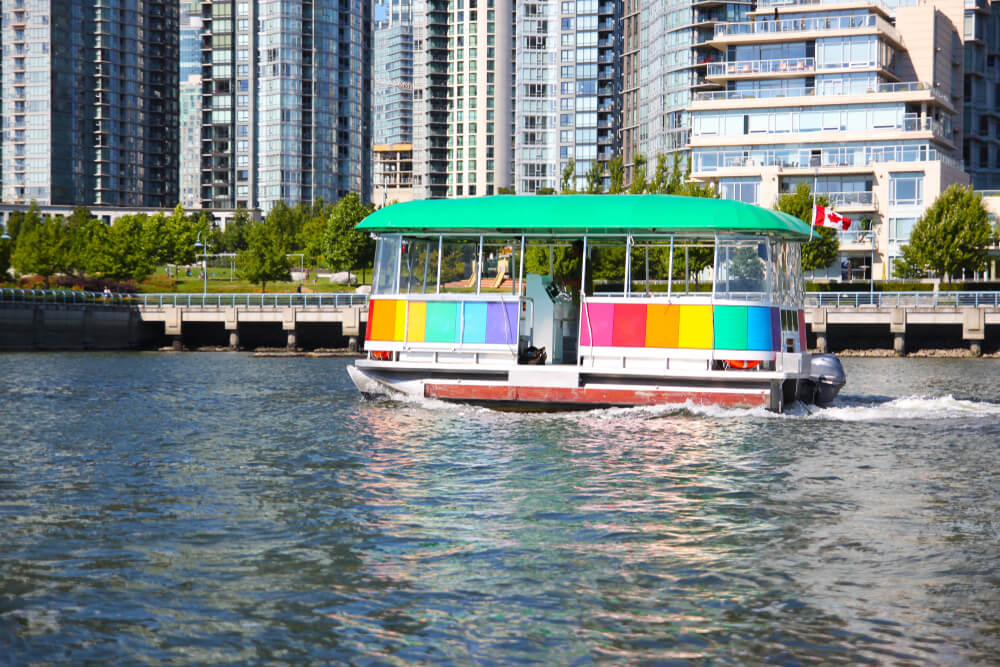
(277, 299)
(902, 299)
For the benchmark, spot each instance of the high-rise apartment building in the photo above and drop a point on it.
(568, 101)
(463, 98)
(286, 101)
(89, 102)
(861, 100)
(981, 149)
(666, 54)
(189, 167)
(393, 102)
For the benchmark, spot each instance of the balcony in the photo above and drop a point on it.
(851, 200)
(755, 67)
(820, 23)
(830, 88)
(860, 158)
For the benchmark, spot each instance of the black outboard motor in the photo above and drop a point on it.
(826, 377)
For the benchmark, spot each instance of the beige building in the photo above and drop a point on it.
(393, 180)
(861, 100)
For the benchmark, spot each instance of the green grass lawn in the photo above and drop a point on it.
(220, 282)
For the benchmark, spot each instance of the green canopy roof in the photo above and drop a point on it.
(583, 214)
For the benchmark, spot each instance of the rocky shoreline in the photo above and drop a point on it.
(930, 353)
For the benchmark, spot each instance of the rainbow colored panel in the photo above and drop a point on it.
(759, 335)
(695, 328)
(474, 322)
(441, 325)
(730, 327)
(417, 322)
(629, 325)
(382, 319)
(598, 319)
(501, 323)
(662, 325)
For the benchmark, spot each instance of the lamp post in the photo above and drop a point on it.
(204, 262)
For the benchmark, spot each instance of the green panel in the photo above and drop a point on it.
(730, 327)
(442, 322)
(583, 214)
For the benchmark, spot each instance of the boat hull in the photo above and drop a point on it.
(560, 393)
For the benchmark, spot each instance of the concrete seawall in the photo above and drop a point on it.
(96, 325)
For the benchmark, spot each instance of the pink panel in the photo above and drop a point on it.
(597, 318)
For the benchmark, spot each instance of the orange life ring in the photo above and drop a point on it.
(744, 364)
(382, 355)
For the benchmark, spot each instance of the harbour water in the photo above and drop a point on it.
(221, 508)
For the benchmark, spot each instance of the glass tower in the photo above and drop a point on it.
(286, 101)
(89, 102)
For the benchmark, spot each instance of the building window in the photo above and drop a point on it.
(906, 189)
(740, 189)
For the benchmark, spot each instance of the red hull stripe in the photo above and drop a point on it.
(584, 395)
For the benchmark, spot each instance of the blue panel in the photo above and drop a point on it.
(474, 330)
(759, 328)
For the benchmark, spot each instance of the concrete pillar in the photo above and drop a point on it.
(177, 343)
(234, 340)
(352, 343)
(899, 344)
(821, 345)
(976, 348)
(292, 343)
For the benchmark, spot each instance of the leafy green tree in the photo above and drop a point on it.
(6, 245)
(344, 247)
(41, 249)
(285, 221)
(118, 251)
(675, 182)
(234, 236)
(311, 235)
(659, 183)
(951, 235)
(595, 178)
(616, 171)
(568, 184)
(81, 230)
(822, 251)
(639, 184)
(265, 256)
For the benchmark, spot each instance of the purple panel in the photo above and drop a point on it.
(499, 331)
(599, 319)
(776, 329)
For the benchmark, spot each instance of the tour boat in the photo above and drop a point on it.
(581, 301)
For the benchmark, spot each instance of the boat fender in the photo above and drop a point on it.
(744, 364)
(382, 355)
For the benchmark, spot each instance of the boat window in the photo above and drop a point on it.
(606, 265)
(741, 270)
(386, 278)
(418, 268)
(500, 264)
(458, 265)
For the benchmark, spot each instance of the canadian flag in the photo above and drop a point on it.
(827, 217)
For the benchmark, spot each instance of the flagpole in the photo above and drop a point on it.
(812, 223)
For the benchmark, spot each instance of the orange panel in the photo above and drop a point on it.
(382, 313)
(662, 323)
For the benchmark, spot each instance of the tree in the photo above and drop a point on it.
(344, 247)
(675, 182)
(5, 250)
(822, 251)
(41, 249)
(951, 236)
(234, 236)
(659, 182)
(545, 191)
(505, 191)
(568, 185)
(616, 171)
(118, 251)
(265, 258)
(639, 184)
(595, 178)
(81, 230)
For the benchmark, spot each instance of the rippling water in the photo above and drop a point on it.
(223, 508)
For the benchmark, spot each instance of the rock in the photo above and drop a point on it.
(343, 278)
(363, 289)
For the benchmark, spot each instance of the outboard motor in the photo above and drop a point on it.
(826, 377)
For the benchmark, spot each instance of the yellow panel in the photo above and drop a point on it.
(417, 321)
(382, 313)
(695, 328)
(400, 321)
